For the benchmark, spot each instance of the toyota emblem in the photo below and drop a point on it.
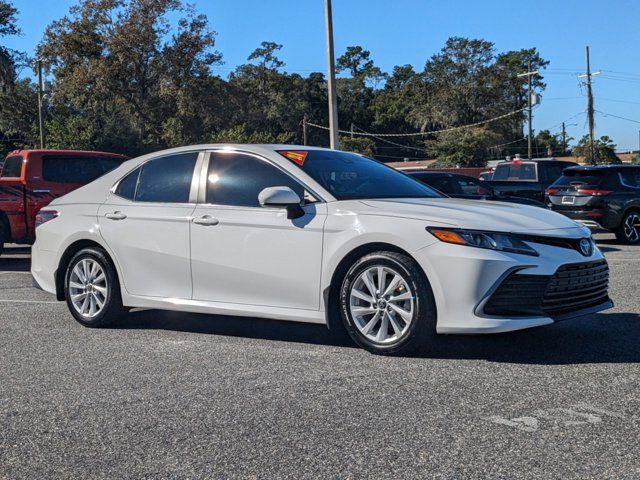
(586, 247)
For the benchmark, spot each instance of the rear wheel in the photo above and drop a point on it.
(92, 290)
(387, 305)
(629, 231)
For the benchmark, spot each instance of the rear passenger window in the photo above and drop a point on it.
(76, 169)
(166, 179)
(12, 167)
(127, 186)
(630, 178)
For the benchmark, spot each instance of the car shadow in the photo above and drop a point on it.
(231, 326)
(15, 259)
(600, 338)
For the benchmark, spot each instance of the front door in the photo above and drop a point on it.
(243, 253)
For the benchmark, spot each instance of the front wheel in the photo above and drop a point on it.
(387, 304)
(92, 289)
(629, 231)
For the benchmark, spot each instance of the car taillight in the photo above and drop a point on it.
(551, 191)
(593, 191)
(44, 216)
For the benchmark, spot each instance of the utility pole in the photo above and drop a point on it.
(530, 110)
(304, 129)
(331, 79)
(40, 103)
(529, 76)
(352, 126)
(592, 149)
(564, 140)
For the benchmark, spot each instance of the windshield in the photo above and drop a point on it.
(515, 172)
(348, 176)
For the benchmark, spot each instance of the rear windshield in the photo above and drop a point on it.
(516, 172)
(12, 167)
(580, 178)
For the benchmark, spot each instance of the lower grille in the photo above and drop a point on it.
(575, 287)
(572, 288)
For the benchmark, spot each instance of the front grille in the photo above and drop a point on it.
(575, 287)
(572, 288)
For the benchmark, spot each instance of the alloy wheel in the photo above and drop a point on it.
(88, 287)
(632, 227)
(381, 304)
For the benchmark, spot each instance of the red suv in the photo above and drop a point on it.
(30, 179)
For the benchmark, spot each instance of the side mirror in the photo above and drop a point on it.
(282, 197)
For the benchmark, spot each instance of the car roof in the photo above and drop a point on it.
(534, 160)
(601, 167)
(67, 152)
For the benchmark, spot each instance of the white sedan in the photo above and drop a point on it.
(311, 235)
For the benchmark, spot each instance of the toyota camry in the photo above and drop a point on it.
(312, 235)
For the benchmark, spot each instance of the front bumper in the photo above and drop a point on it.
(463, 279)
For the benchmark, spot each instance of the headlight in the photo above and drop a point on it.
(503, 242)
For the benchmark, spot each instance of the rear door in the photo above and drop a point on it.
(145, 221)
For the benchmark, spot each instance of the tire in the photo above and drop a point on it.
(629, 230)
(410, 319)
(101, 304)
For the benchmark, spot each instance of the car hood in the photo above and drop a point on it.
(474, 214)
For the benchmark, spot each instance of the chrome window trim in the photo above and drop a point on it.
(202, 193)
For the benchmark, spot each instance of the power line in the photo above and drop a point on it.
(508, 143)
(389, 141)
(617, 116)
(416, 134)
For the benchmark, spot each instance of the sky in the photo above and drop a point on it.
(402, 32)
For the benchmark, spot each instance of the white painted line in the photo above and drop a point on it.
(28, 301)
(10, 273)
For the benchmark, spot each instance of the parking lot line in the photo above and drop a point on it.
(2, 300)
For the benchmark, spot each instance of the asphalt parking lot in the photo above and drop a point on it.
(192, 396)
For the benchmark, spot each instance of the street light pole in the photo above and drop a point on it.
(331, 79)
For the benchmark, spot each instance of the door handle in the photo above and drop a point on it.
(206, 220)
(116, 216)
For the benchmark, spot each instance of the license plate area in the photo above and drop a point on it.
(568, 200)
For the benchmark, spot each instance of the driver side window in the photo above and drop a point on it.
(237, 179)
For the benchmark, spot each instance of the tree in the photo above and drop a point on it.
(548, 142)
(356, 60)
(18, 116)
(356, 92)
(466, 147)
(8, 58)
(129, 72)
(604, 147)
(361, 145)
